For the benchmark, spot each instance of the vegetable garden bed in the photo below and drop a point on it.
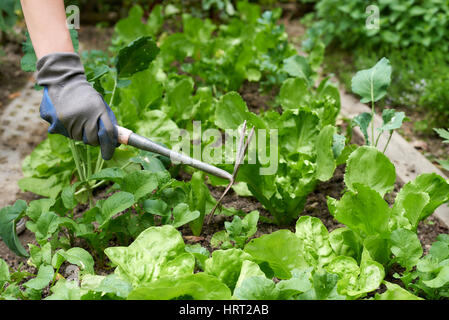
(331, 223)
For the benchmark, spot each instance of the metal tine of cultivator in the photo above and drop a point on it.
(240, 155)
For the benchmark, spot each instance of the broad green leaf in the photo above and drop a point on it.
(249, 269)
(155, 20)
(144, 91)
(325, 156)
(241, 188)
(324, 287)
(226, 265)
(281, 250)
(378, 247)
(45, 226)
(406, 247)
(43, 278)
(372, 84)
(200, 253)
(65, 290)
(179, 98)
(153, 162)
(434, 185)
(198, 195)
(182, 215)
(111, 284)
(9, 215)
(4, 273)
(363, 120)
(221, 240)
(395, 292)
(257, 288)
(75, 255)
(410, 205)
(50, 187)
(294, 93)
(392, 120)
(37, 207)
(440, 248)
(371, 168)
(297, 66)
(112, 174)
(139, 183)
(116, 203)
(356, 281)
(156, 206)
(156, 252)
(249, 12)
(68, 196)
(344, 242)
(39, 255)
(240, 230)
(364, 211)
(441, 279)
(253, 75)
(315, 241)
(132, 26)
(231, 111)
(136, 56)
(338, 145)
(298, 132)
(199, 286)
(157, 126)
(299, 283)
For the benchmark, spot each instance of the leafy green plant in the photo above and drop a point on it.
(431, 277)
(402, 25)
(383, 230)
(371, 85)
(237, 232)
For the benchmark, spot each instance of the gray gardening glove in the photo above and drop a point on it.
(72, 106)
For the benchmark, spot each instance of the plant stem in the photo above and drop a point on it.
(76, 159)
(377, 140)
(89, 161)
(372, 121)
(99, 183)
(389, 138)
(100, 161)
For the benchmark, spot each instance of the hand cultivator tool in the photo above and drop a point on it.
(126, 136)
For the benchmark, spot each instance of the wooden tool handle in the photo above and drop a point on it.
(123, 135)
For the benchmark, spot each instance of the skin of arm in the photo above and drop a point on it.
(46, 23)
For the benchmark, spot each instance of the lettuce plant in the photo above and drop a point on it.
(385, 231)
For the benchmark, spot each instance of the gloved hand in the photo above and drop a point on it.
(72, 106)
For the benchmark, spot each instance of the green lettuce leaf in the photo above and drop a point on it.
(156, 252)
(199, 286)
(378, 172)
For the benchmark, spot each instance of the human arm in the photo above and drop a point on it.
(70, 104)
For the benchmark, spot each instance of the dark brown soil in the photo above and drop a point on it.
(256, 100)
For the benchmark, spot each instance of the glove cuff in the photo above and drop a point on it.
(58, 68)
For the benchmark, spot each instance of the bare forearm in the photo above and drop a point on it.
(46, 23)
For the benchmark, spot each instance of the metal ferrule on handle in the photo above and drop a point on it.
(126, 136)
